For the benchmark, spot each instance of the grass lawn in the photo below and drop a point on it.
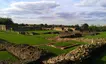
(7, 56)
(43, 31)
(63, 44)
(68, 43)
(34, 40)
(101, 35)
(56, 51)
(22, 39)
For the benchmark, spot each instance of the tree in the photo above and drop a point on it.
(77, 27)
(6, 21)
(85, 27)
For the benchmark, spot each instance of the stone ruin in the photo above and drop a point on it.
(25, 52)
(2, 46)
(87, 40)
(66, 36)
(70, 34)
(76, 56)
(52, 32)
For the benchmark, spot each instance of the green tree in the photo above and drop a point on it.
(85, 27)
(77, 27)
(6, 21)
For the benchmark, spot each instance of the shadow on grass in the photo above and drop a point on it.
(96, 56)
(3, 41)
(43, 58)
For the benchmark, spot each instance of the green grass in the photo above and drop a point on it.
(7, 56)
(55, 51)
(62, 44)
(71, 42)
(43, 31)
(22, 39)
(101, 35)
(34, 40)
(58, 51)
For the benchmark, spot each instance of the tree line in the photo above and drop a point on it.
(84, 27)
(90, 28)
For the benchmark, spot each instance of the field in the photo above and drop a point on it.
(101, 35)
(32, 40)
(41, 40)
(22, 39)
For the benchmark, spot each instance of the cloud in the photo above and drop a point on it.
(47, 17)
(83, 16)
(66, 15)
(97, 3)
(40, 7)
(50, 11)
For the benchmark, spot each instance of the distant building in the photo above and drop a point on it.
(58, 28)
(3, 27)
(63, 28)
(73, 29)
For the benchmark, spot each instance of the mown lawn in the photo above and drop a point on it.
(71, 42)
(101, 35)
(43, 31)
(33, 40)
(22, 39)
(56, 51)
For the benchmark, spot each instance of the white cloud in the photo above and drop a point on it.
(49, 11)
(95, 3)
(39, 7)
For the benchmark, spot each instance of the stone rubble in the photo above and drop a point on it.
(25, 52)
(75, 56)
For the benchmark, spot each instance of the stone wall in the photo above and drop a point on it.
(25, 52)
(87, 40)
(76, 56)
(2, 47)
(3, 27)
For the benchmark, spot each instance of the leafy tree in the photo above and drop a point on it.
(85, 27)
(6, 21)
(77, 27)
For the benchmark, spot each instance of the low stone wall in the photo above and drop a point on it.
(87, 40)
(2, 47)
(76, 56)
(25, 52)
(58, 39)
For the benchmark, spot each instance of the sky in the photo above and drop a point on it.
(66, 12)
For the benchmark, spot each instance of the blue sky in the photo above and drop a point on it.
(66, 12)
